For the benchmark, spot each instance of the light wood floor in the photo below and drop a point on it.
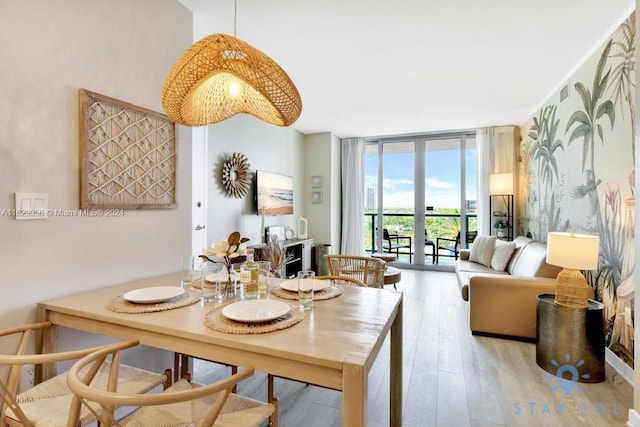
(451, 378)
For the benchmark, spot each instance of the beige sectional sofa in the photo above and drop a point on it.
(504, 302)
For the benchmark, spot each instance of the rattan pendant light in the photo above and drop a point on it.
(221, 76)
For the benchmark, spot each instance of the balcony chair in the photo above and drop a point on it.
(49, 401)
(368, 270)
(430, 243)
(452, 245)
(183, 403)
(471, 236)
(394, 242)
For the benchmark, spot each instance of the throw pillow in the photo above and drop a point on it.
(502, 254)
(482, 250)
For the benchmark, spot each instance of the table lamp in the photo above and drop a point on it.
(572, 252)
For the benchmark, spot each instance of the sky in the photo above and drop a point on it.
(442, 181)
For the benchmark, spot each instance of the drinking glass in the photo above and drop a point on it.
(305, 289)
(228, 283)
(263, 278)
(189, 270)
(210, 282)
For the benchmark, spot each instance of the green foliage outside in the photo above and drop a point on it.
(402, 224)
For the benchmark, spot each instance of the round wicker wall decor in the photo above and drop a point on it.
(236, 176)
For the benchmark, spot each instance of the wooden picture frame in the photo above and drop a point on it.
(128, 155)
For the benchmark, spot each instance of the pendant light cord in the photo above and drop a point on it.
(235, 17)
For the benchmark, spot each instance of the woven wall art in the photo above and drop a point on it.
(127, 155)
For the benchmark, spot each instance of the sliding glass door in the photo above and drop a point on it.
(390, 198)
(419, 192)
(450, 197)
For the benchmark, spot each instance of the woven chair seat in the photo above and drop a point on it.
(47, 404)
(237, 411)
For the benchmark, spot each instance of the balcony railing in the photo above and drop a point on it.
(436, 225)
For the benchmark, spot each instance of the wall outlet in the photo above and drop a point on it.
(27, 378)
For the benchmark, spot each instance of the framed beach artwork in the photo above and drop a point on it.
(274, 193)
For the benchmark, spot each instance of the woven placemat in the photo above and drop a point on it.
(329, 292)
(218, 322)
(121, 305)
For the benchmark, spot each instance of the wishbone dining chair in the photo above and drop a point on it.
(343, 280)
(184, 403)
(48, 402)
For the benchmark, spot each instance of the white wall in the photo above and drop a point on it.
(322, 157)
(49, 50)
(267, 147)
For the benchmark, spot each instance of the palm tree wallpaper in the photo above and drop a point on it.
(576, 173)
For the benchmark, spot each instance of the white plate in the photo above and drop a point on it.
(256, 310)
(292, 285)
(153, 295)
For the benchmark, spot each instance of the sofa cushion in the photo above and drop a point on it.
(473, 267)
(482, 249)
(532, 262)
(502, 254)
(520, 242)
(464, 278)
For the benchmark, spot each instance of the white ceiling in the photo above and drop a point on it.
(373, 67)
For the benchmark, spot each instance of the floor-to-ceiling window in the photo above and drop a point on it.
(418, 189)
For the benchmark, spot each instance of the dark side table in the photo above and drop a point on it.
(570, 341)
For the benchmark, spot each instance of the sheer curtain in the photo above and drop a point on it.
(485, 140)
(495, 150)
(352, 196)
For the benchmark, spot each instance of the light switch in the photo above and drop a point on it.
(32, 205)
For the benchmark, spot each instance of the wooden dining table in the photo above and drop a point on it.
(334, 346)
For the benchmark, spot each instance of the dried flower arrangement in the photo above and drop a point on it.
(276, 254)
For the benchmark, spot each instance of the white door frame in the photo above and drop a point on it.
(199, 160)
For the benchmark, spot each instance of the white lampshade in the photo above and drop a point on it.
(500, 184)
(573, 251)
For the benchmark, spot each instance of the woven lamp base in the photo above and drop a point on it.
(572, 289)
